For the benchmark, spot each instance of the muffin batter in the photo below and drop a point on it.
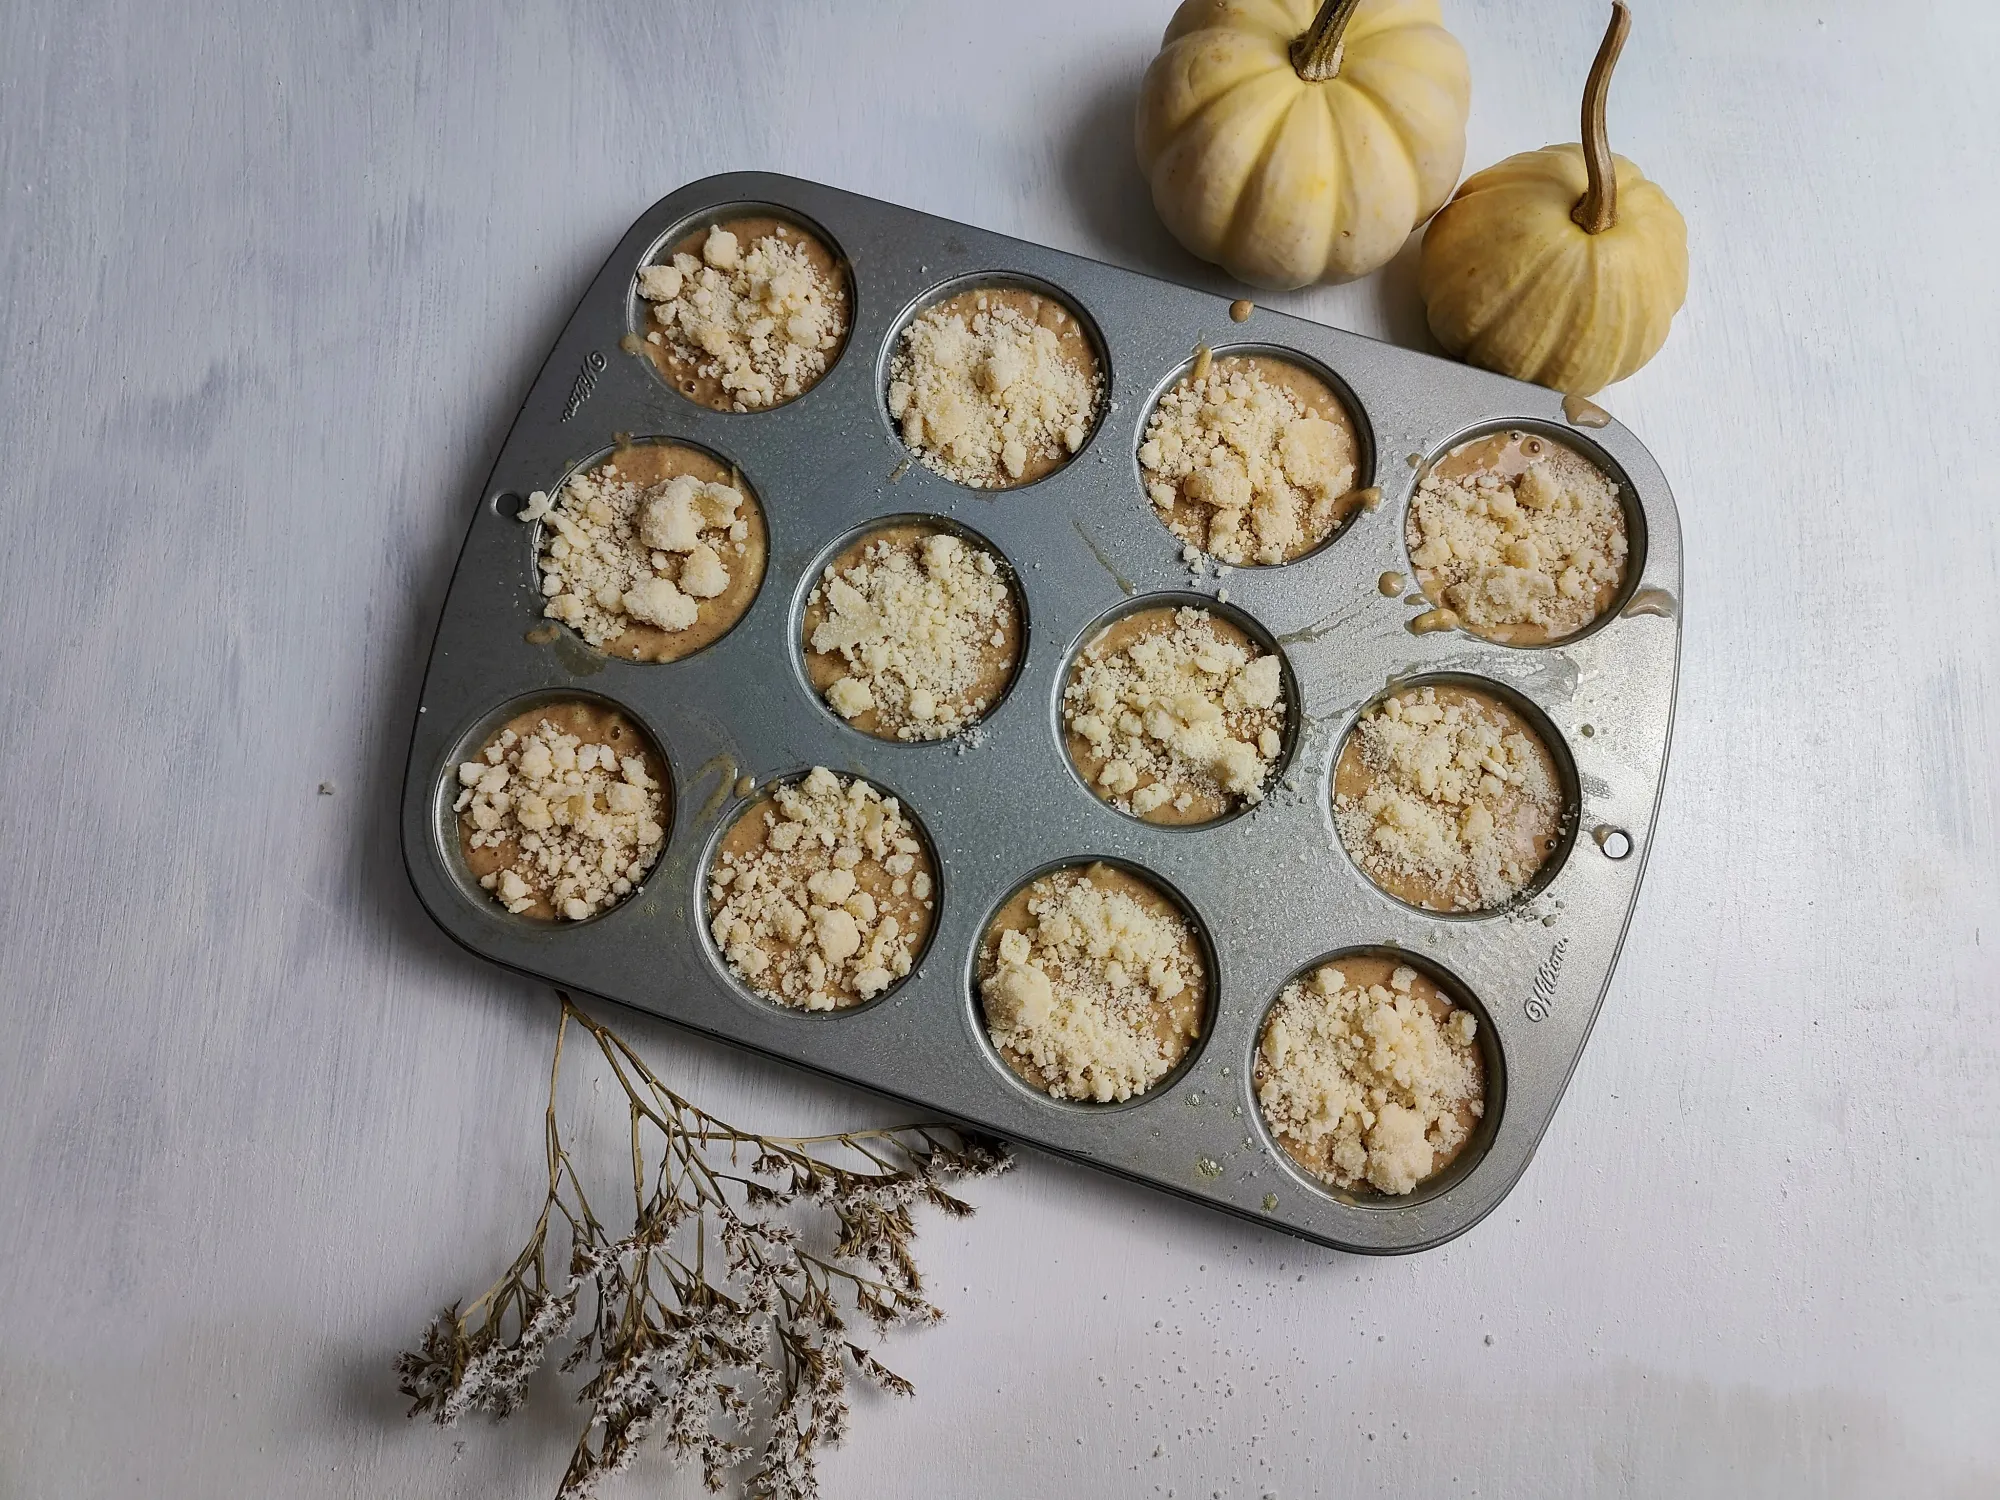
(1175, 715)
(912, 633)
(1368, 1075)
(1251, 459)
(563, 811)
(744, 315)
(1092, 983)
(1521, 538)
(652, 555)
(995, 387)
(821, 893)
(1447, 798)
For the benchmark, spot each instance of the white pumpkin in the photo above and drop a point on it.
(1291, 146)
(1564, 265)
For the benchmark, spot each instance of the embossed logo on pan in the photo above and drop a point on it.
(586, 382)
(1541, 1000)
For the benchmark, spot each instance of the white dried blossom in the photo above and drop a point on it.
(708, 1301)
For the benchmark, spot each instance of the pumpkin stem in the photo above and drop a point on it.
(1597, 209)
(1316, 50)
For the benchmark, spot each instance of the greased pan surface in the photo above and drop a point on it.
(1273, 889)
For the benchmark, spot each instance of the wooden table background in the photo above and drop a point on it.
(272, 282)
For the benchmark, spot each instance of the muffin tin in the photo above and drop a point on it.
(1273, 890)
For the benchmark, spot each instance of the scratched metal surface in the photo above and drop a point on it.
(273, 282)
(1272, 891)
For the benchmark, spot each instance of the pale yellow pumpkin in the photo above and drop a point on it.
(1563, 266)
(1291, 146)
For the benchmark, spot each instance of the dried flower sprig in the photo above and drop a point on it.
(712, 1317)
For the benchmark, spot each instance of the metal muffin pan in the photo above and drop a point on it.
(1274, 890)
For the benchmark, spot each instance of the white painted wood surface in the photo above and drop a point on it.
(272, 281)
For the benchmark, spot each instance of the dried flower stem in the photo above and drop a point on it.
(710, 1319)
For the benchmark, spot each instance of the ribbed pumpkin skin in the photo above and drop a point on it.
(1284, 182)
(1511, 282)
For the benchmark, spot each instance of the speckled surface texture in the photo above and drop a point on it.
(273, 281)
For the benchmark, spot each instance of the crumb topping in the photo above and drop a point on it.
(1364, 1083)
(1176, 714)
(981, 393)
(1080, 993)
(616, 553)
(1459, 799)
(917, 626)
(807, 914)
(1536, 549)
(1262, 475)
(584, 824)
(761, 321)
